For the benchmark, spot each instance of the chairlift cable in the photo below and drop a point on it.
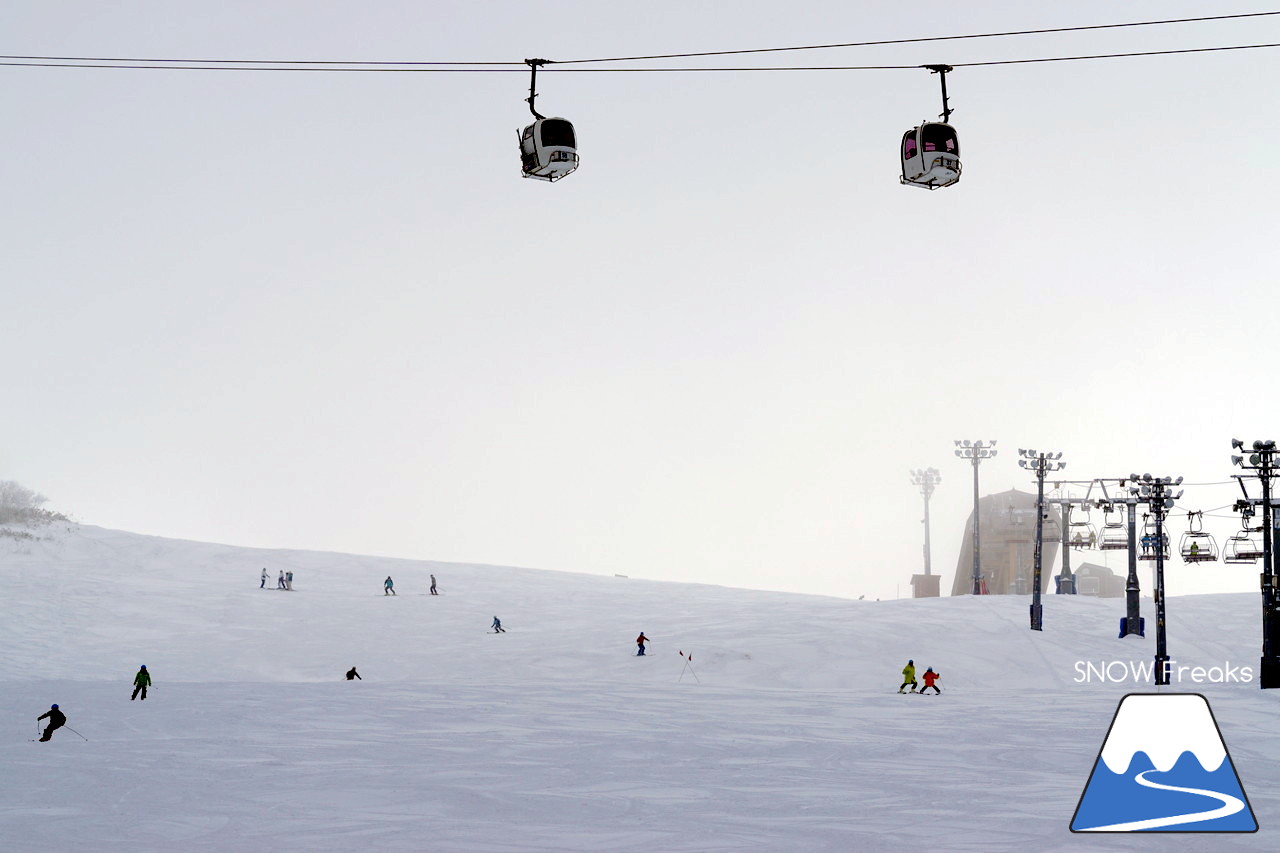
(349, 68)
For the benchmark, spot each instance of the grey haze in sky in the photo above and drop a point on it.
(323, 310)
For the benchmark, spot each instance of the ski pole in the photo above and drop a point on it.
(68, 728)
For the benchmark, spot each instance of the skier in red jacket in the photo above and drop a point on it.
(929, 677)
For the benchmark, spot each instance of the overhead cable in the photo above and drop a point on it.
(131, 62)
(552, 70)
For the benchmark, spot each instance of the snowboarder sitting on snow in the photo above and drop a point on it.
(140, 682)
(909, 676)
(388, 586)
(640, 641)
(57, 720)
(352, 675)
(929, 677)
(497, 626)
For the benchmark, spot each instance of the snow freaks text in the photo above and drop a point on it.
(1120, 671)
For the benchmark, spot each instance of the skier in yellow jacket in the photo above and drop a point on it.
(909, 676)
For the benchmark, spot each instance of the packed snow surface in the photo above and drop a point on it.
(555, 736)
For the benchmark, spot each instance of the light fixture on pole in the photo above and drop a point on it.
(975, 452)
(1040, 464)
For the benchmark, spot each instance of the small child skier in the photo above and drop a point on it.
(640, 641)
(909, 676)
(497, 626)
(140, 683)
(929, 677)
(57, 720)
(388, 586)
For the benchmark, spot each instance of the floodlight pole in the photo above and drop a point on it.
(1040, 463)
(1162, 650)
(926, 479)
(975, 452)
(1158, 495)
(1263, 461)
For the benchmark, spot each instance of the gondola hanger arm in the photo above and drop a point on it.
(533, 84)
(941, 71)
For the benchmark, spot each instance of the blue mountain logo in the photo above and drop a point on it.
(1164, 767)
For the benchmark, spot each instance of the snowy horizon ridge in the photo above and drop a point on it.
(787, 734)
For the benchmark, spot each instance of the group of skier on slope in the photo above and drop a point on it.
(909, 679)
(285, 581)
(389, 586)
(57, 719)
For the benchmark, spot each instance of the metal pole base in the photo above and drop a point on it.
(1037, 617)
(1269, 673)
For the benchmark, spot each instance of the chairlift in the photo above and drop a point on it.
(1242, 549)
(1082, 534)
(1245, 547)
(1115, 534)
(931, 151)
(1153, 542)
(548, 147)
(1196, 545)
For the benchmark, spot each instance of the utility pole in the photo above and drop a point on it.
(1263, 461)
(926, 479)
(975, 452)
(1158, 494)
(1041, 464)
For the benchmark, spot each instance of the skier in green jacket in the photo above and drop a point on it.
(909, 676)
(140, 682)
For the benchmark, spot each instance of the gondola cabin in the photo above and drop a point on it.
(548, 149)
(930, 156)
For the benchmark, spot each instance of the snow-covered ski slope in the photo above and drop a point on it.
(554, 736)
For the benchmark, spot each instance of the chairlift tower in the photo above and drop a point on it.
(927, 479)
(1041, 464)
(1263, 460)
(975, 452)
(1158, 494)
(1065, 583)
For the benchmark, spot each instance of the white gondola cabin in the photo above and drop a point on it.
(930, 156)
(548, 149)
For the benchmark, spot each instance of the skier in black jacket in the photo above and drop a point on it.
(352, 675)
(57, 720)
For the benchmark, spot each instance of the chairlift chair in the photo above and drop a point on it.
(549, 146)
(930, 152)
(1196, 545)
(1153, 542)
(1114, 535)
(1082, 535)
(1243, 548)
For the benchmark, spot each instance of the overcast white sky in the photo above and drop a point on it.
(324, 311)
